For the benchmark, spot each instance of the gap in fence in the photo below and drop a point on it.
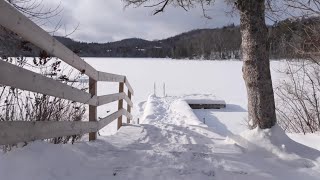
(104, 111)
(105, 88)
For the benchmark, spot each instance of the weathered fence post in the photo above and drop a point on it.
(120, 104)
(92, 109)
(128, 106)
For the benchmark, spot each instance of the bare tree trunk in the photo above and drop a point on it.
(256, 65)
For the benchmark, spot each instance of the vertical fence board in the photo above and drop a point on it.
(120, 104)
(92, 109)
(128, 106)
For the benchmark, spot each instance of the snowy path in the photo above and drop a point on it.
(168, 145)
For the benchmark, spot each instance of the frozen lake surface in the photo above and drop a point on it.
(222, 79)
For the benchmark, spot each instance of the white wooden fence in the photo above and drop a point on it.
(10, 75)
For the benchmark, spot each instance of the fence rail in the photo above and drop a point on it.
(12, 132)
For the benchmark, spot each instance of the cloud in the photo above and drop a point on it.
(105, 21)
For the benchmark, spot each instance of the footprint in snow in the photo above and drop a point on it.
(197, 155)
(301, 163)
(117, 170)
(208, 173)
(240, 172)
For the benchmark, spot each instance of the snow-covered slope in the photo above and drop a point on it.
(170, 143)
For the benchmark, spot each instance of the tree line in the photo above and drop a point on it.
(286, 38)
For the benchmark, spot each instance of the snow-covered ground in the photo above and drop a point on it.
(173, 141)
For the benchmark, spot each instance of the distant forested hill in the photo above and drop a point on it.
(218, 43)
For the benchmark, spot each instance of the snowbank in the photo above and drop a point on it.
(276, 141)
(308, 139)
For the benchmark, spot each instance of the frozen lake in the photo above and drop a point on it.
(180, 76)
(222, 79)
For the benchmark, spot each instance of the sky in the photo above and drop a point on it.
(108, 20)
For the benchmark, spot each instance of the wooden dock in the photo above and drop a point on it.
(206, 103)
